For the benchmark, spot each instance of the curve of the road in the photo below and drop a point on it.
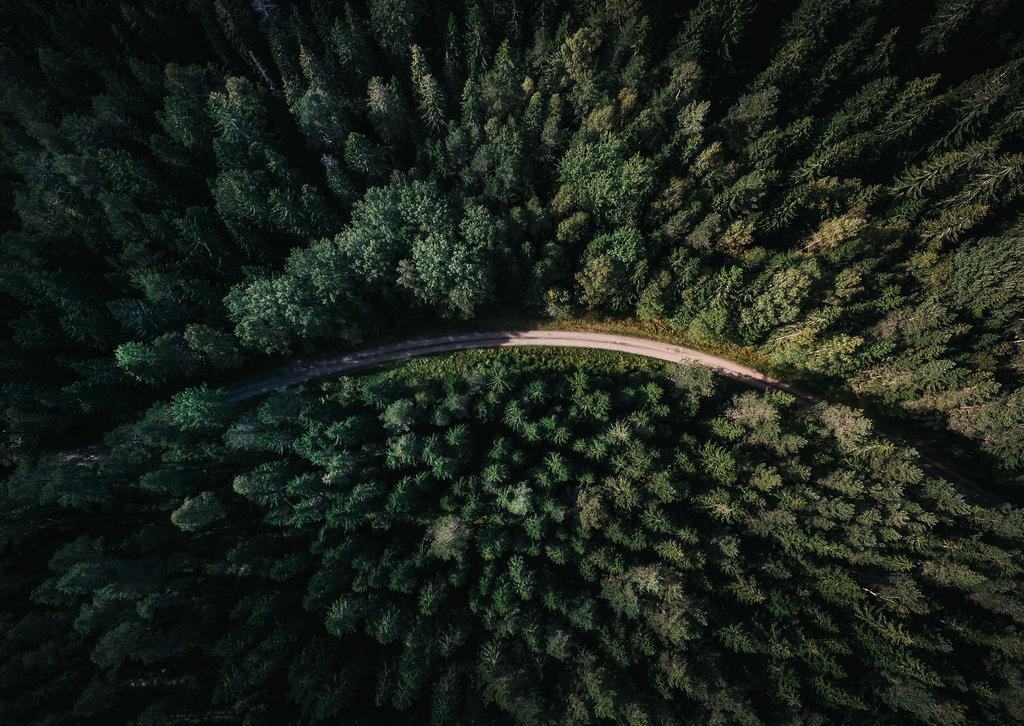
(301, 371)
(304, 370)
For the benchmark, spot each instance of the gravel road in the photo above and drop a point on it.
(301, 371)
(304, 370)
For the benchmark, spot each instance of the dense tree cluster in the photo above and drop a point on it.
(834, 182)
(507, 537)
(189, 187)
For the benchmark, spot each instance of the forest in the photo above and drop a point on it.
(195, 190)
(513, 537)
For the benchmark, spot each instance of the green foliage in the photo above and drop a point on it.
(187, 187)
(200, 409)
(615, 270)
(792, 179)
(518, 536)
(197, 513)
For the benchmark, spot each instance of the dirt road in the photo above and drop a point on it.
(302, 371)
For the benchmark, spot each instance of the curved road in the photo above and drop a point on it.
(301, 371)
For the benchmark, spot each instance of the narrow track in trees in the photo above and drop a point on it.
(305, 370)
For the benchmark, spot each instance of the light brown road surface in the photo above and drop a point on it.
(302, 371)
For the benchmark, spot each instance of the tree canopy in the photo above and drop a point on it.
(834, 185)
(512, 536)
(828, 190)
